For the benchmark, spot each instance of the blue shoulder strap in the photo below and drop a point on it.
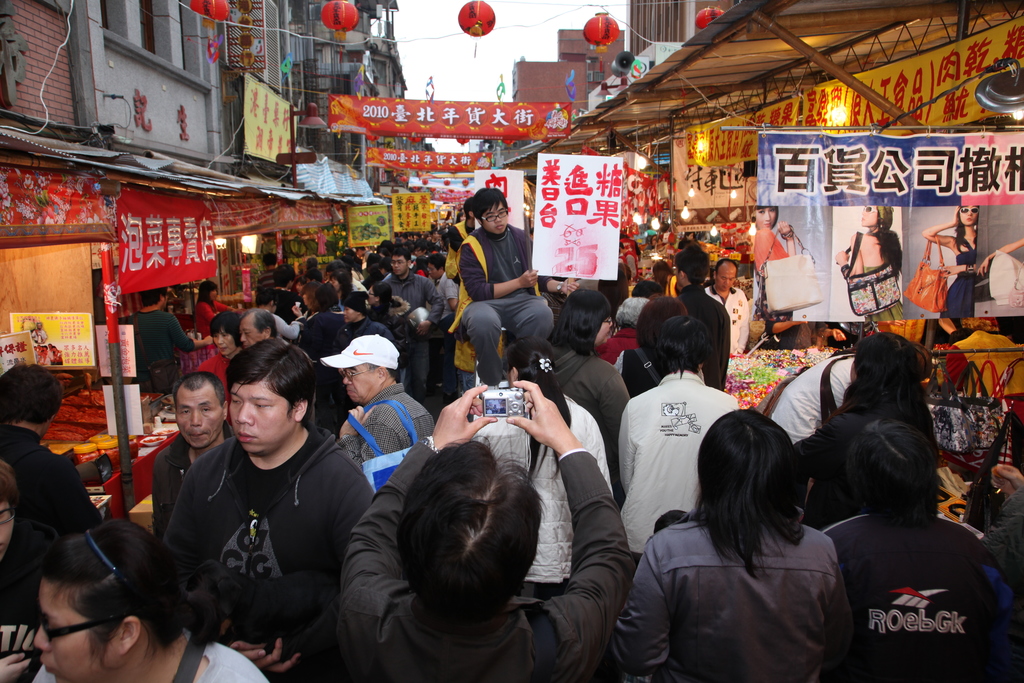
(403, 415)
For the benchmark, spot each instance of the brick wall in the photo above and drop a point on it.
(44, 29)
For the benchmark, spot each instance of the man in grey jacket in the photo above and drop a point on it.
(432, 569)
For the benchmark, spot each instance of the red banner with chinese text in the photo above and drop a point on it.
(640, 196)
(416, 160)
(469, 120)
(162, 241)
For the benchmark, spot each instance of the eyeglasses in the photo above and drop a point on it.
(52, 633)
(492, 217)
(6, 515)
(869, 209)
(608, 321)
(348, 374)
(968, 209)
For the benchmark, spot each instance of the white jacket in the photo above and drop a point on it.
(659, 436)
(738, 308)
(554, 542)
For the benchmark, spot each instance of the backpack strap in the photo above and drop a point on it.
(189, 663)
(545, 645)
(403, 415)
(827, 396)
(649, 365)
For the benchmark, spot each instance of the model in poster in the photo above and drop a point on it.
(963, 243)
(769, 247)
(1006, 249)
(879, 248)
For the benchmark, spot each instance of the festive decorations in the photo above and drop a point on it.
(462, 141)
(447, 181)
(570, 85)
(357, 82)
(212, 10)
(706, 16)
(213, 49)
(500, 90)
(476, 19)
(339, 16)
(286, 66)
(601, 31)
(465, 182)
(430, 90)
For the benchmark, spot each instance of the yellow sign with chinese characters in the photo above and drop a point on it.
(368, 226)
(911, 82)
(709, 145)
(58, 338)
(267, 128)
(411, 212)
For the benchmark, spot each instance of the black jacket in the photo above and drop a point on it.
(317, 340)
(169, 470)
(50, 487)
(713, 314)
(19, 588)
(306, 527)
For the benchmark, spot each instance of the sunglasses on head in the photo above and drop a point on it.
(968, 209)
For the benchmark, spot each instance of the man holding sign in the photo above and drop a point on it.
(499, 287)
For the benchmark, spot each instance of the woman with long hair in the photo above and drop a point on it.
(207, 307)
(769, 246)
(639, 367)
(111, 610)
(585, 323)
(391, 311)
(317, 340)
(888, 372)
(227, 338)
(879, 248)
(661, 272)
(737, 590)
(964, 243)
(529, 359)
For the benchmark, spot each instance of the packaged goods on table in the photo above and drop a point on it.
(752, 377)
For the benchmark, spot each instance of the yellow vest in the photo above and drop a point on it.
(451, 262)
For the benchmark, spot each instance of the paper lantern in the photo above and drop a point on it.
(424, 181)
(601, 31)
(476, 18)
(212, 10)
(447, 181)
(465, 182)
(462, 141)
(706, 16)
(339, 16)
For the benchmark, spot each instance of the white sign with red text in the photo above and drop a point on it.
(511, 185)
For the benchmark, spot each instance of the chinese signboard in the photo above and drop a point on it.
(911, 82)
(368, 226)
(709, 145)
(411, 212)
(247, 49)
(469, 120)
(15, 349)
(713, 188)
(416, 160)
(127, 333)
(578, 216)
(511, 185)
(267, 127)
(58, 338)
(949, 197)
(162, 241)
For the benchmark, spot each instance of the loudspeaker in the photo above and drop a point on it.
(622, 63)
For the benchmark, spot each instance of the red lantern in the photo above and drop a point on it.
(706, 16)
(212, 10)
(601, 31)
(465, 182)
(447, 181)
(424, 181)
(476, 18)
(339, 16)
(416, 139)
(462, 141)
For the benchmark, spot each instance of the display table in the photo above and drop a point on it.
(752, 377)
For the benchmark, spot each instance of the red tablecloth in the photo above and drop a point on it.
(142, 481)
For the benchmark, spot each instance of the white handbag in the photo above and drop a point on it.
(791, 283)
(1006, 280)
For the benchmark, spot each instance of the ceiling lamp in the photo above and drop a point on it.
(601, 31)
(753, 229)
(1004, 92)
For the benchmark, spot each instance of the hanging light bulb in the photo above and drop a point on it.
(714, 231)
(692, 192)
(685, 213)
(753, 229)
(637, 219)
(641, 162)
(655, 224)
(732, 195)
(1018, 115)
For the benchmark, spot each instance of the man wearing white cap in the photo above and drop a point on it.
(369, 371)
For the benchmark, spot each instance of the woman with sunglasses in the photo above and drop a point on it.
(111, 610)
(879, 248)
(964, 243)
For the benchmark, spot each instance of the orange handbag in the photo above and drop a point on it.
(928, 289)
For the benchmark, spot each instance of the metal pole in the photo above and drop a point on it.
(295, 171)
(111, 295)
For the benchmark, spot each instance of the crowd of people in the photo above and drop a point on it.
(630, 521)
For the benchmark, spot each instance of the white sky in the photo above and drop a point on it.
(431, 43)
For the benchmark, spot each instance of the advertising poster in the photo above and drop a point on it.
(247, 50)
(368, 226)
(128, 363)
(511, 185)
(15, 349)
(58, 338)
(268, 131)
(937, 216)
(578, 216)
(411, 211)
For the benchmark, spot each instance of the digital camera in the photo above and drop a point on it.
(505, 401)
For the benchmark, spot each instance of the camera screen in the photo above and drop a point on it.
(494, 406)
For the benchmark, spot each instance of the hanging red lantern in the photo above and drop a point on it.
(372, 138)
(424, 181)
(465, 182)
(447, 181)
(415, 139)
(601, 31)
(212, 10)
(706, 16)
(462, 141)
(476, 18)
(339, 16)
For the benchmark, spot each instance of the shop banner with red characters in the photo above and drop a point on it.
(459, 120)
(578, 216)
(162, 241)
(641, 196)
(418, 160)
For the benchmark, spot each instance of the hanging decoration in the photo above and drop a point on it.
(570, 85)
(500, 90)
(286, 66)
(601, 31)
(706, 16)
(476, 19)
(465, 182)
(430, 89)
(213, 48)
(339, 16)
(357, 83)
(212, 10)
(462, 141)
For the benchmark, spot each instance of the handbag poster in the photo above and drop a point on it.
(887, 227)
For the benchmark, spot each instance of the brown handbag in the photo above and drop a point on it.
(928, 289)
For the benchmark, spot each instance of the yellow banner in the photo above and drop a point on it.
(709, 145)
(267, 129)
(910, 82)
(368, 226)
(58, 338)
(411, 211)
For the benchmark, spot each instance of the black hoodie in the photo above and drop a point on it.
(19, 588)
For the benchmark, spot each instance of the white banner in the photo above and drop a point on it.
(511, 185)
(578, 216)
(127, 333)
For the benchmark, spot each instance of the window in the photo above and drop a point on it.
(146, 20)
(103, 14)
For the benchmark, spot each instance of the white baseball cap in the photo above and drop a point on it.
(370, 348)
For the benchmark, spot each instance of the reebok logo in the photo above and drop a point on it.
(914, 619)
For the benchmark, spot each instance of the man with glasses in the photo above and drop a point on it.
(369, 371)
(419, 292)
(499, 286)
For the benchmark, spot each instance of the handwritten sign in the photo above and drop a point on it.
(128, 365)
(14, 350)
(511, 185)
(268, 131)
